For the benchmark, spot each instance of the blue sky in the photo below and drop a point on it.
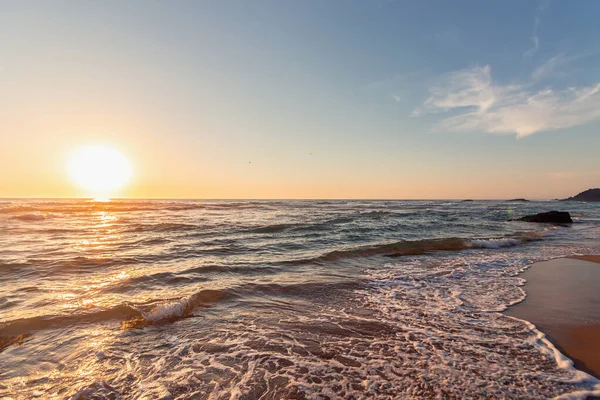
(306, 99)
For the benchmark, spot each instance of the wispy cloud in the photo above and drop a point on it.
(551, 67)
(478, 104)
(535, 38)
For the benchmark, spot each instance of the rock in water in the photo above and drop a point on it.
(555, 217)
(588, 195)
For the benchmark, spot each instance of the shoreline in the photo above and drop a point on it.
(563, 302)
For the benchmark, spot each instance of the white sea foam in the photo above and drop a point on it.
(431, 329)
(454, 291)
(496, 243)
(561, 360)
(167, 311)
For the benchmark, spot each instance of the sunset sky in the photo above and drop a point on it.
(305, 99)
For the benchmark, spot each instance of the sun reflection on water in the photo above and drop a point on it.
(87, 302)
(106, 217)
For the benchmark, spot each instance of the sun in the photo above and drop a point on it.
(100, 170)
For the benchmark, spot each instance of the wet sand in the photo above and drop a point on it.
(595, 259)
(563, 301)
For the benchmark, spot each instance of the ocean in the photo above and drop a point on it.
(174, 299)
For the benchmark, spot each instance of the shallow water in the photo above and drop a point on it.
(278, 299)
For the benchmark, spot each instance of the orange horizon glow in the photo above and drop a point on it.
(160, 170)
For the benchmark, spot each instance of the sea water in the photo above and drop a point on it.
(147, 299)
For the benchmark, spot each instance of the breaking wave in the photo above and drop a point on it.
(423, 246)
(139, 315)
(142, 314)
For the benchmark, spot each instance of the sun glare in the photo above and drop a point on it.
(100, 170)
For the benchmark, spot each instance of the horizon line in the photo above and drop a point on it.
(276, 199)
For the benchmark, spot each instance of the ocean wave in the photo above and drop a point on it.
(10, 267)
(496, 243)
(131, 314)
(58, 230)
(148, 282)
(314, 226)
(56, 266)
(31, 217)
(172, 311)
(14, 208)
(176, 253)
(293, 289)
(376, 214)
(418, 247)
(27, 325)
(163, 227)
(243, 270)
(184, 207)
(276, 228)
(235, 205)
(153, 241)
(139, 315)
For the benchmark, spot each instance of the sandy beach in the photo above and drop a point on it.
(563, 301)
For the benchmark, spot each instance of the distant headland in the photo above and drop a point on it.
(588, 195)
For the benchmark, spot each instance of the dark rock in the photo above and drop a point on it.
(588, 195)
(554, 217)
(522, 200)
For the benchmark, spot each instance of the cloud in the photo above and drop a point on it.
(551, 67)
(535, 38)
(480, 105)
(396, 98)
(537, 20)
(536, 46)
